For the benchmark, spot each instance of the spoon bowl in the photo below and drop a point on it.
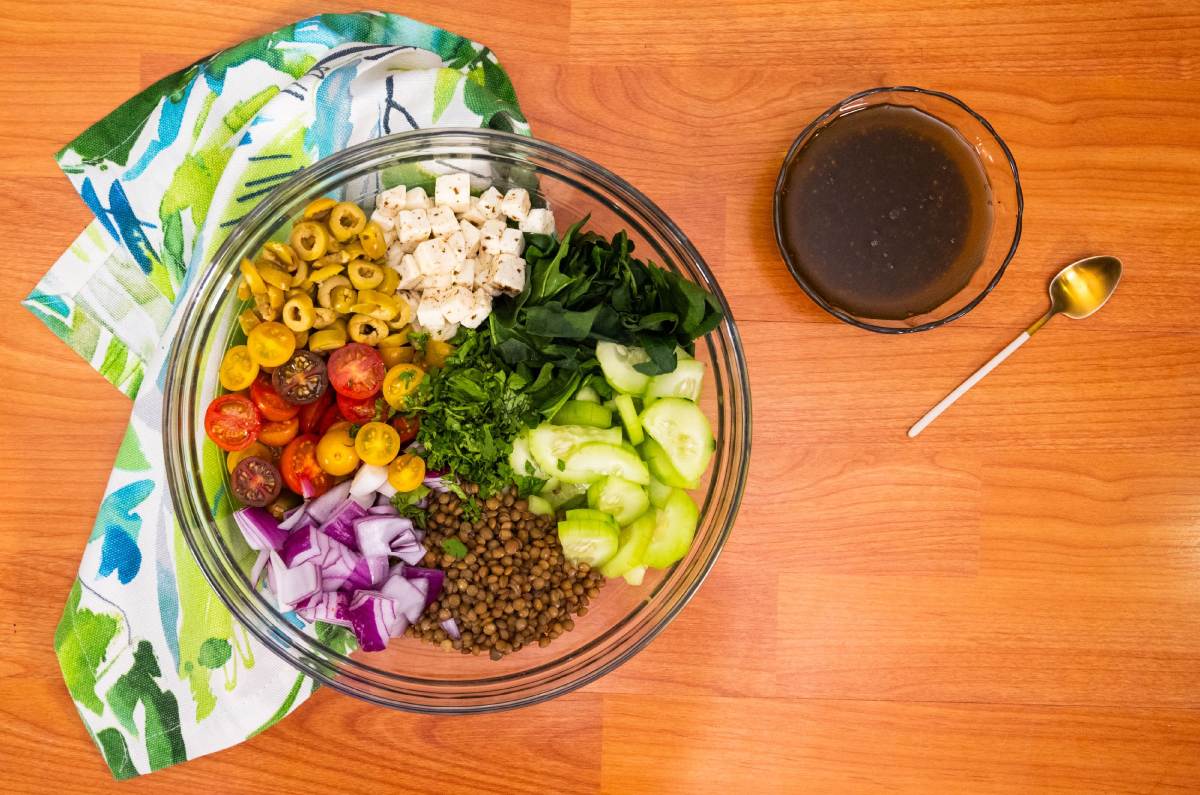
(1084, 286)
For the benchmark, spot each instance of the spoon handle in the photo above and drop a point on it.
(962, 388)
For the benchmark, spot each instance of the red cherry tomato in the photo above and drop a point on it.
(360, 411)
(407, 427)
(269, 402)
(310, 413)
(232, 422)
(356, 370)
(331, 417)
(300, 469)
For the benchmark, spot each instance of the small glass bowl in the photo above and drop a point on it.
(410, 674)
(1007, 202)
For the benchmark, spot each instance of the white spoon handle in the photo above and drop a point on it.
(962, 388)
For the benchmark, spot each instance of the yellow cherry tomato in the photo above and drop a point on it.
(436, 352)
(393, 355)
(255, 450)
(377, 443)
(271, 344)
(400, 382)
(335, 451)
(238, 368)
(406, 472)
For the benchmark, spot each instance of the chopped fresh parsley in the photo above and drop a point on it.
(454, 548)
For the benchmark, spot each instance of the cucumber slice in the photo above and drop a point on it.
(632, 546)
(617, 362)
(588, 541)
(550, 444)
(583, 412)
(629, 418)
(522, 462)
(684, 433)
(588, 394)
(621, 498)
(540, 506)
(662, 469)
(635, 576)
(685, 381)
(674, 529)
(659, 492)
(588, 513)
(564, 495)
(594, 460)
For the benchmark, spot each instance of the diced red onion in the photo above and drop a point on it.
(436, 484)
(382, 510)
(257, 569)
(294, 518)
(327, 607)
(409, 599)
(323, 507)
(375, 534)
(410, 551)
(435, 577)
(367, 480)
(451, 627)
(302, 546)
(340, 524)
(373, 617)
(364, 500)
(259, 528)
(368, 571)
(294, 585)
(387, 490)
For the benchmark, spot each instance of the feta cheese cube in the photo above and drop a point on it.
(410, 273)
(442, 221)
(490, 234)
(540, 221)
(453, 191)
(458, 245)
(414, 225)
(392, 200)
(470, 234)
(417, 199)
(434, 257)
(457, 302)
(444, 333)
(481, 307)
(464, 273)
(473, 214)
(515, 204)
(512, 241)
(429, 311)
(387, 223)
(508, 274)
(484, 266)
(489, 203)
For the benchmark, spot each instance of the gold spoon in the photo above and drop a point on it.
(1077, 291)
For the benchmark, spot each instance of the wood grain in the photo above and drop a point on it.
(1011, 603)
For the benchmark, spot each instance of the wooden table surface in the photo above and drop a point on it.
(1012, 602)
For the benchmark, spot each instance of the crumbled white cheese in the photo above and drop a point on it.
(515, 205)
(453, 191)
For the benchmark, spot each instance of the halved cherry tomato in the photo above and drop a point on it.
(331, 417)
(336, 453)
(300, 469)
(269, 402)
(360, 411)
(400, 382)
(255, 449)
(377, 443)
(356, 370)
(238, 369)
(301, 379)
(256, 482)
(271, 344)
(277, 434)
(406, 472)
(232, 422)
(407, 427)
(310, 413)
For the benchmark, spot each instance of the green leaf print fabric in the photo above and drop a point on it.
(158, 668)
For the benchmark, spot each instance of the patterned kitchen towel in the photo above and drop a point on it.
(157, 666)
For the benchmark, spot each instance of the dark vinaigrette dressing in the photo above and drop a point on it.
(886, 212)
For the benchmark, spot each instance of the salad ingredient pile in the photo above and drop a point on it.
(435, 436)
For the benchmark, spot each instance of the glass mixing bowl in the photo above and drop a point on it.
(410, 674)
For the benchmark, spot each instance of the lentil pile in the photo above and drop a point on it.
(512, 588)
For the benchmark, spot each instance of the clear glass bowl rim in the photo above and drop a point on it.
(217, 564)
(840, 314)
